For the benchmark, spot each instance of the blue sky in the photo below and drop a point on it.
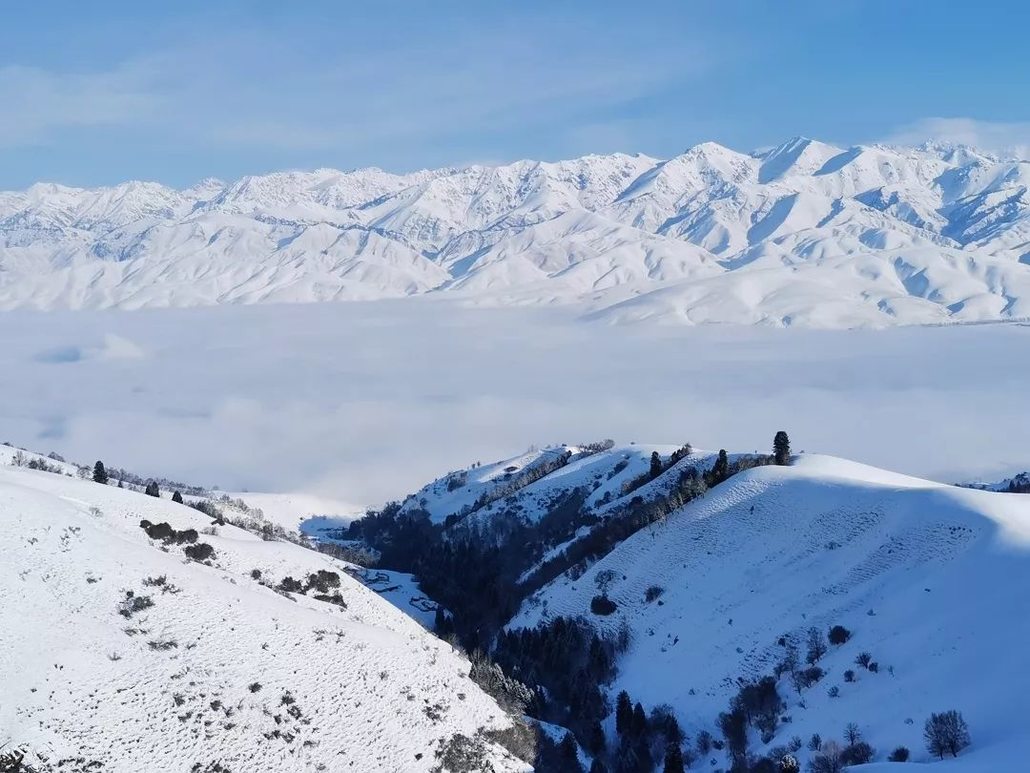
(98, 93)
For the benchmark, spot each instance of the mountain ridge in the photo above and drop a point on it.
(804, 233)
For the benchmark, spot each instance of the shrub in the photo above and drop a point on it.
(857, 753)
(133, 604)
(828, 760)
(806, 677)
(323, 581)
(834, 692)
(815, 743)
(946, 732)
(255, 574)
(602, 605)
(290, 585)
(816, 646)
(652, 593)
(900, 754)
(200, 552)
(874, 667)
(839, 634)
(849, 675)
(863, 659)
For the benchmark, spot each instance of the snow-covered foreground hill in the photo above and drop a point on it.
(120, 653)
(803, 234)
(929, 579)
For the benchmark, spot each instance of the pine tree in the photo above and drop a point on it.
(597, 766)
(623, 714)
(673, 759)
(177, 498)
(152, 490)
(640, 727)
(567, 756)
(100, 473)
(781, 448)
(656, 465)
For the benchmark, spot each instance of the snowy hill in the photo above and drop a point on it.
(804, 234)
(929, 579)
(126, 649)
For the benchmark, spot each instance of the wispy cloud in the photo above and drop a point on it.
(36, 101)
(255, 90)
(1006, 138)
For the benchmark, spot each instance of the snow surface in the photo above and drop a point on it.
(804, 234)
(82, 681)
(931, 579)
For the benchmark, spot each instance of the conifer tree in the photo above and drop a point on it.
(623, 714)
(100, 473)
(673, 759)
(177, 497)
(152, 490)
(781, 448)
(656, 465)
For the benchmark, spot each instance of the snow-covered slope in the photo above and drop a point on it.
(930, 579)
(216, 670)
(806, 233)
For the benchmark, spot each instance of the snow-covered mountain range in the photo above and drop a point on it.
(805, 234)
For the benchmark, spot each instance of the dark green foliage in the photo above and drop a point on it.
(900, 754)
(946, 733)
(200, 552)
(177, 498)
(163, 532)
(720, 470)
(656, 465)
(152, 489)
(569, 660)
(323, 581)
(673, 759)
(839, 634)
(100, 473)
(653, 593)
(733, 725)
(857, 753)
(623, 713)
(602, 605)
(781, 448)
(760, 703)
(291, 585)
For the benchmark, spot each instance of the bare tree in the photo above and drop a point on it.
(946, 733)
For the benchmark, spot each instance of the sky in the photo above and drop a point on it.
(175, 92)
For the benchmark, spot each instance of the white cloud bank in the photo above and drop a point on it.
(366, 401)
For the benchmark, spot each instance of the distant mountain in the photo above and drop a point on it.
(803, 234)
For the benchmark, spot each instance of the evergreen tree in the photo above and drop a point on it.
(640, 727)
(623, 714)
(598, 767)
(567, 757)
(596, 742)
(720, 470)
(656, 465)
(100, 473)
(673, 759)
(177, 498)
(152, 490)
(781, 448)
